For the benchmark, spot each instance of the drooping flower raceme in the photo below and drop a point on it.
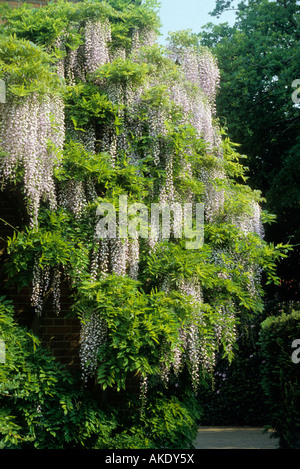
(32, 135)
(93, 335)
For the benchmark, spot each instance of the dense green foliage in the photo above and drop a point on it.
(142, 322)
(235, 395)
(41, 404)
(259, 62)
(44, 25)
(281, 376)
(32, 73)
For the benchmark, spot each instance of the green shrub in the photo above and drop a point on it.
(281, 377)
(41, 404)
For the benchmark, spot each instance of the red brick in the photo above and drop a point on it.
(58, 329)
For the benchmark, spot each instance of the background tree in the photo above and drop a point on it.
(259, 61)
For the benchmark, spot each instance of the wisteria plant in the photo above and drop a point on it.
(108, 112)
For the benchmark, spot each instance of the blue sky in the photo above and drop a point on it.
(188, 14)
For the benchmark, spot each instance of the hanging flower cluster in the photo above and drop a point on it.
(89, 56)
(195, 95)
(93, 335)
(41, 282)
(251, 223)
(72, 197)
(118, 256)
(97, 36)
(142, 38)
(27, 126)
(192, 348)
(214, 194)
(199, 69)
(190, 334)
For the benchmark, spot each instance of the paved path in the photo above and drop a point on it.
(234, 438)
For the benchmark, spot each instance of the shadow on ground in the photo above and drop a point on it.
(234, 438)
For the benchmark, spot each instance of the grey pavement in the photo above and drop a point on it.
(234, 438)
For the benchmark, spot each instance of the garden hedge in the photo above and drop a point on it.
(281, 376)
